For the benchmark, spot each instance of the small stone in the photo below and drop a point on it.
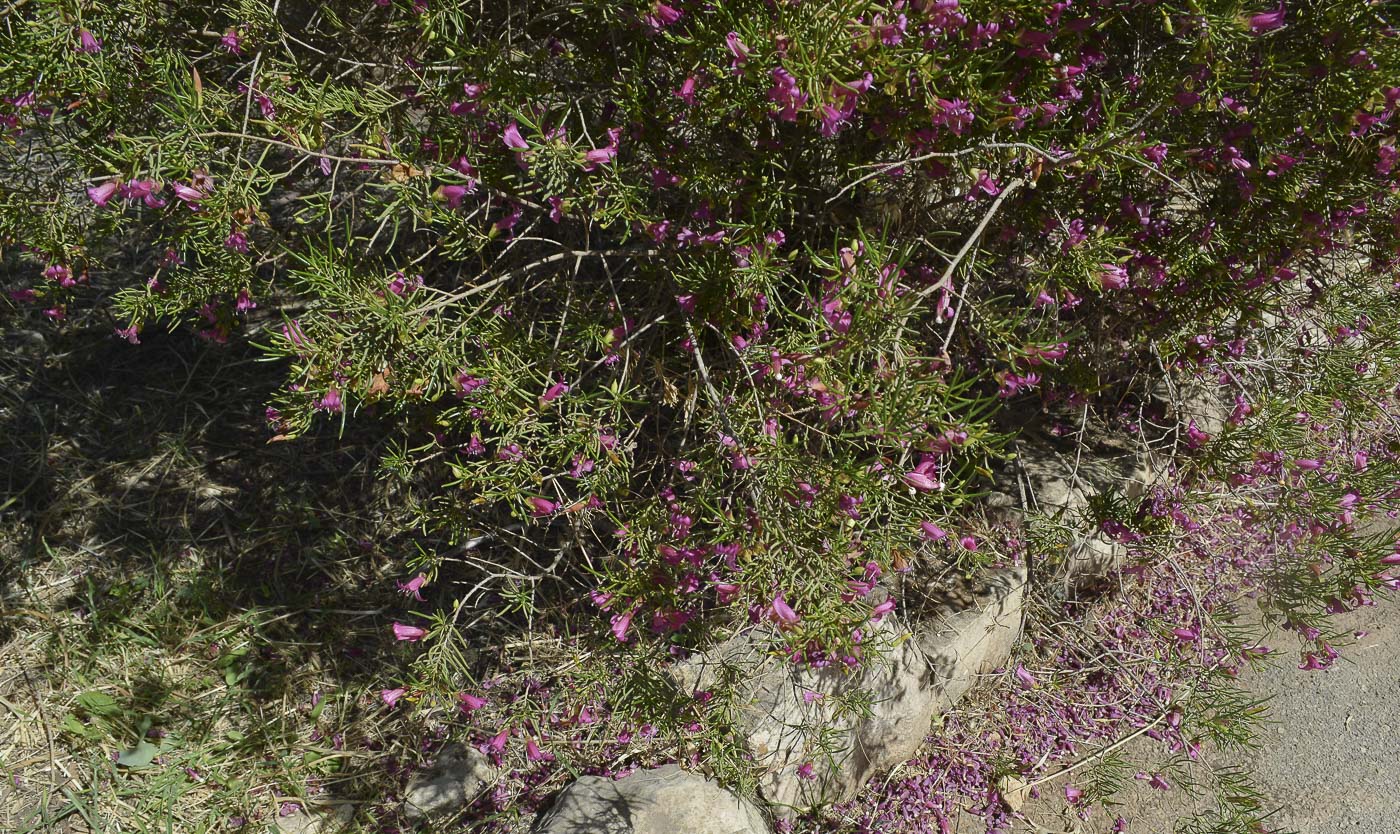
(457, 777)
(1013, 792)
(330, 819)
(662, 800)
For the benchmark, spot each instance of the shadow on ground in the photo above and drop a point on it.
(155, 546)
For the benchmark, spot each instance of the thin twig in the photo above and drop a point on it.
(886, 167)
(1055, 160)
(555, 258)
(1180, 186)
(972, 240)
(1065, 771)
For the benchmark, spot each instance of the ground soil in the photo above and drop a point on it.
(1328, 757)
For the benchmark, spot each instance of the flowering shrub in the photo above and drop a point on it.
(714, 313)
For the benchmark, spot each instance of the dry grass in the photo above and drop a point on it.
(166, 573)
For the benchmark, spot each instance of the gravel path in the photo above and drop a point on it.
(1331, 759)
(1328, 758)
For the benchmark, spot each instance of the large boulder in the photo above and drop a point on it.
(662, 800)
(819, 735)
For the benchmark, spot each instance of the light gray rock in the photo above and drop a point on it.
(663, 800)
(1195, 401)
(1093, 556)
(847, 726)
(329, 819)
(457, 776)
(1378, 524)
(970, 631)
(1060, 481)
(819, 735)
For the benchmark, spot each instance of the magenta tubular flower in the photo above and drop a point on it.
(725, 592)
(1186, 635)
(932, 531)
(686, 93)
(453, 194)
(1026, 678)
(142, 189)
(1392, 559)
(598, 156)
(413, 587)
(1311, 663)
(467, 383)
(511, 136)
(1195, 438)
(232, 41)
(506, 223)
(187, 194)
(664, 14)
(878, 612)
(541, 507)
(464, 167)
(620, 623)
(1072, 794)
(469, 703)
(497, 744)
(782, 613)
(1267, 21)
(331, 402)
(1308, 464)
(921, 482)
(88, 42)
(391, 696)
(738, 49)
(102, 194)
(831, 120)
(555, 391)
(407, 632)
(1112, 277)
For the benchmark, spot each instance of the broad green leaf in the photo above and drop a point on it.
(139, 756)
(98, 703)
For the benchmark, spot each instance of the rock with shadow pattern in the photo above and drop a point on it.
(662, 800)
(457, 776)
